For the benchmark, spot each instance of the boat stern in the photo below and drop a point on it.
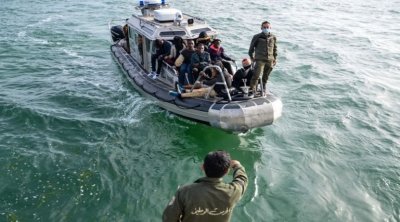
(243, 116)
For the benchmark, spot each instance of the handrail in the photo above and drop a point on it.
(219, 83)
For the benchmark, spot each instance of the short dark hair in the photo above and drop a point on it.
(217, 163)
(199, 45)
(203, 34)
(264, 22)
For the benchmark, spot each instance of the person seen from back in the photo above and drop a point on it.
(214, 77)
(209, 198)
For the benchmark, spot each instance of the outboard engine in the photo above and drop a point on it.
(117, 33)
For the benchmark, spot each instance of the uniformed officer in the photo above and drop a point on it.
(263, 51)
(209, 198)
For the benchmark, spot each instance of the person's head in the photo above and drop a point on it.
(216, 42)
(203, 38)
(200, 47)
(159, 42)
(246, 63)
(178, 40)
(216, 164)
(266, 27)
(190, 44)
(203, 34)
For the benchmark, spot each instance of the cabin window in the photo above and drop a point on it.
(173, 33)
(197, 31)
(136, 45)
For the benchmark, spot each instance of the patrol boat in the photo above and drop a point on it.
(133, 45)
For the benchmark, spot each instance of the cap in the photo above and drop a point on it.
(216, 40)
(203, 34)
(246, 62)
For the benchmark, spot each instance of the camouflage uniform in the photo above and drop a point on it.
(264, 51)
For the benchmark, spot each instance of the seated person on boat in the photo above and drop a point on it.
(215, 77)
(217, 53)
(200, 59)
(183, 63)
(243, 76)
(211, 81)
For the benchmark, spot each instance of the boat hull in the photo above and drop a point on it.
(236, 116)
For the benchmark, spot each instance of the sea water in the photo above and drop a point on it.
(78, 143)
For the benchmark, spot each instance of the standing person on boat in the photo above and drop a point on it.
(209, 198)
(163, 48)
(184, 63)
(263, 51)
(243, 76)
(217, 53)
(200, 59)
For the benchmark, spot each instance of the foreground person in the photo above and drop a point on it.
(209, 198)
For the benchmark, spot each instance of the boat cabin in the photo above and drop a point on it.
(159, 21)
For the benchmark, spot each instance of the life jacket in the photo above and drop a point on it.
(215, 53)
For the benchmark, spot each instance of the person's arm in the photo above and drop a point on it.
(195, 60)
(173, 211)
(251, 48)
(224, 56)
(240, 180)
(179, 60)
(172, 54)
(207, 58)
(167, 48)
(275, 51)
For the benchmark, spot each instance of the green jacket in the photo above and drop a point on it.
(207, 199)
(263, 47)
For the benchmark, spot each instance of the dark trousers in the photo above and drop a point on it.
(185, 69)
(154, 59)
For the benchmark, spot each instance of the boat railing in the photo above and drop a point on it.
(220, 72)
(169, 74)
(195, 17)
